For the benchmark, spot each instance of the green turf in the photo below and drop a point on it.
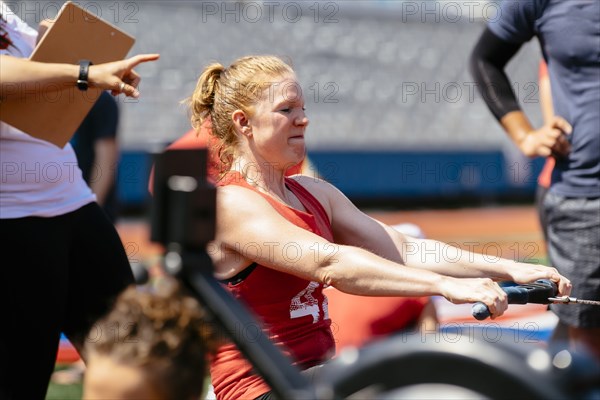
(64, 392)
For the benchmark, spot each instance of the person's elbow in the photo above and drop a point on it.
(339, 268)
(476, 65)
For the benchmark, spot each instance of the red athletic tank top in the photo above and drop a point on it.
(293, 311)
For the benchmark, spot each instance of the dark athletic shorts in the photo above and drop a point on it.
(574, 249)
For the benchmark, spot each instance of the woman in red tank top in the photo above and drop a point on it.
(280, 240)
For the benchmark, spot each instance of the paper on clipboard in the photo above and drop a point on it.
(56, 113)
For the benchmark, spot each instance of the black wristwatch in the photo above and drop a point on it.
(84, 68)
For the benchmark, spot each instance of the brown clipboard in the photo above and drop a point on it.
(54, 113)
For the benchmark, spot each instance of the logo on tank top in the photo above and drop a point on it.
(304, 303)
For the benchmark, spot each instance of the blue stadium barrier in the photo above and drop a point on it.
(373, 175)
(417, 174)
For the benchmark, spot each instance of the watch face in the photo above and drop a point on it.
(82, 85)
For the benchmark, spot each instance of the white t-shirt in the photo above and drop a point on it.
(37, 178)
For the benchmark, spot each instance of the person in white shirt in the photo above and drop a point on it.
(64, 262)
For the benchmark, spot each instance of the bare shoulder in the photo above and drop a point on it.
(238, 199)
(312, 183)
(237, 203)
(241, 212)
(323, 191)
(318, 187)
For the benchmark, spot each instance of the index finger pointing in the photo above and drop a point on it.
(140, 58)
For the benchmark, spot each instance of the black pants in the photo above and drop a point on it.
(58, 274)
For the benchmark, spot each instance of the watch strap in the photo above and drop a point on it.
(84, 69)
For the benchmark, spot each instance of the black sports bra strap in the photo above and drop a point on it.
(240, 276)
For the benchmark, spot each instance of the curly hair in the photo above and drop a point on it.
(164, 332)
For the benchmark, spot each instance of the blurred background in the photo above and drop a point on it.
(395, 115)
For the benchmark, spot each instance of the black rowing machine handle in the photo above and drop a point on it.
(536, 293)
